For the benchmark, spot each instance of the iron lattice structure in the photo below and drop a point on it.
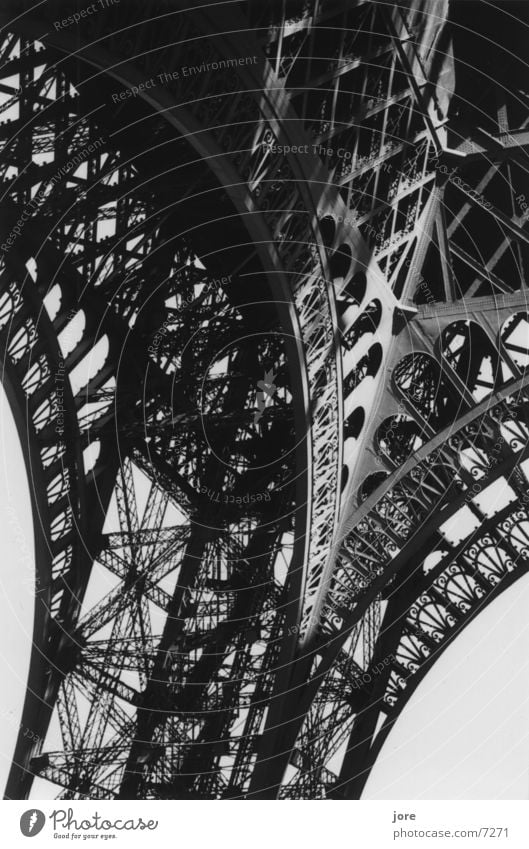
(264, 330)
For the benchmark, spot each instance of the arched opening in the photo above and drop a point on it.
(327, 230)
(354, 423)
(398, 437)
(367, 367)
(340, 262)
(514, 337)
(367, 323)
(473, 357)
(353, 293)
(419, 379)
(370, 483)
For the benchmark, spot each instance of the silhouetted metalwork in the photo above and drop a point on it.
(264, 330)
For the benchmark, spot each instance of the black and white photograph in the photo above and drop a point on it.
(264, 422)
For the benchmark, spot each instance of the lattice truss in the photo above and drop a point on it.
(357, 79)
(148, 417)
(442, 526)
(162, 687)
(446, 534)
(361, 78)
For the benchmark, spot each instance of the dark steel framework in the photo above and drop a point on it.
(266, 396)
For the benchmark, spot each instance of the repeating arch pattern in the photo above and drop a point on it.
(268, 352)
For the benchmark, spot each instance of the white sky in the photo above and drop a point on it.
(463, 735)
(465, 731)
(17, 591)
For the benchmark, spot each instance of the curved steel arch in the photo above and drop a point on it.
(163, 709)
(402, 539)
(301, 405)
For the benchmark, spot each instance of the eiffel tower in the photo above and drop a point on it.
(264, 334)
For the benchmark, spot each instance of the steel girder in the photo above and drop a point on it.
(257, 648)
